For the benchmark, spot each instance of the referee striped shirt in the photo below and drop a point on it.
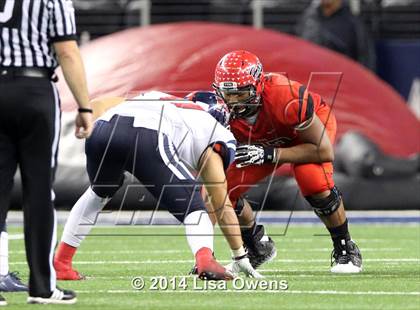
(29, 27)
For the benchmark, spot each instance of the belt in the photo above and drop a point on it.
(27, 72)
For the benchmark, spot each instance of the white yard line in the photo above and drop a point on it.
(104, 252)
(325, 274)
(201, 291)
(133, 262)
(326, 239)
(16, 237)
(330, 249)
(104, 262)
(282, 238)
(415, 260)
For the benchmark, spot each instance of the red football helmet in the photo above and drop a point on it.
(239, 81)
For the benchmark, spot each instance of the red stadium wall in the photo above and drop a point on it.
(182, 57)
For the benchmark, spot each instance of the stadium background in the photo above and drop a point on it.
(179, 44)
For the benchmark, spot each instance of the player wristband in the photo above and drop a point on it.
(239, 253)
(270, 155)
(84, 110)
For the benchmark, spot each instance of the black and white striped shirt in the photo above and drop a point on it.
(29, 27)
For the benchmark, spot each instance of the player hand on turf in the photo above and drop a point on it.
(84, 125)
(242, 264)
(250, 154)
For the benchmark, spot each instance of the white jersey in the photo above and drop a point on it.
(190, 130)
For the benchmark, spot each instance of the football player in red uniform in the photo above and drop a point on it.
(279, 121)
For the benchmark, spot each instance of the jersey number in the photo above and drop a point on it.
(10, 14)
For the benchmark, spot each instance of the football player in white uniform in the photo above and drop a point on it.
(160, 144)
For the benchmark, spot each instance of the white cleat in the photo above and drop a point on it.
(346, 268)
(346, 258)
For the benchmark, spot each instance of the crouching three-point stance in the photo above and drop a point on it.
(159, 143)
(278, 121)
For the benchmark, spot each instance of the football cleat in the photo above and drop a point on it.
(261, 248)
(2, 301)
(64, 297)
(66, 272)
(346, 258)
(208, 268)
(262, 252)
(12, 283)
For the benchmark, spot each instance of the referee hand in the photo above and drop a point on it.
(84, 125)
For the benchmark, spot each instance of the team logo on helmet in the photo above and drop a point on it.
(239, 82)
(256, 71)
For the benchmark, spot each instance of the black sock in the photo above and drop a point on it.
(248, 232)
(339, 233)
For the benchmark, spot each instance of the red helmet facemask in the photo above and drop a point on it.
(238, 81)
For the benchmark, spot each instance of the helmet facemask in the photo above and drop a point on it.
(242, 102)
(239, 82)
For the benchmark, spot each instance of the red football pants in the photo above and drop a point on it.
(311, 178)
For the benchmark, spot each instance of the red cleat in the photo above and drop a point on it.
(66, 272)
(208, 268)
(63, 263)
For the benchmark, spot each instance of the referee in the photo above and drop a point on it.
(35, 37)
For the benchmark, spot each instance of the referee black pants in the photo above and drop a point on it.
(29, 134)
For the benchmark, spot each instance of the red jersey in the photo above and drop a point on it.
(287, 106)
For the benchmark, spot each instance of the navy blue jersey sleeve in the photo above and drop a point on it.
(226, 150)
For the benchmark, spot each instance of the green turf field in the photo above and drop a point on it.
(391, 277)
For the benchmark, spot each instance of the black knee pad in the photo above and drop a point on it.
(239, 206)
(328, 205)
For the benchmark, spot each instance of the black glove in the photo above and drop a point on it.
(250, 154)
